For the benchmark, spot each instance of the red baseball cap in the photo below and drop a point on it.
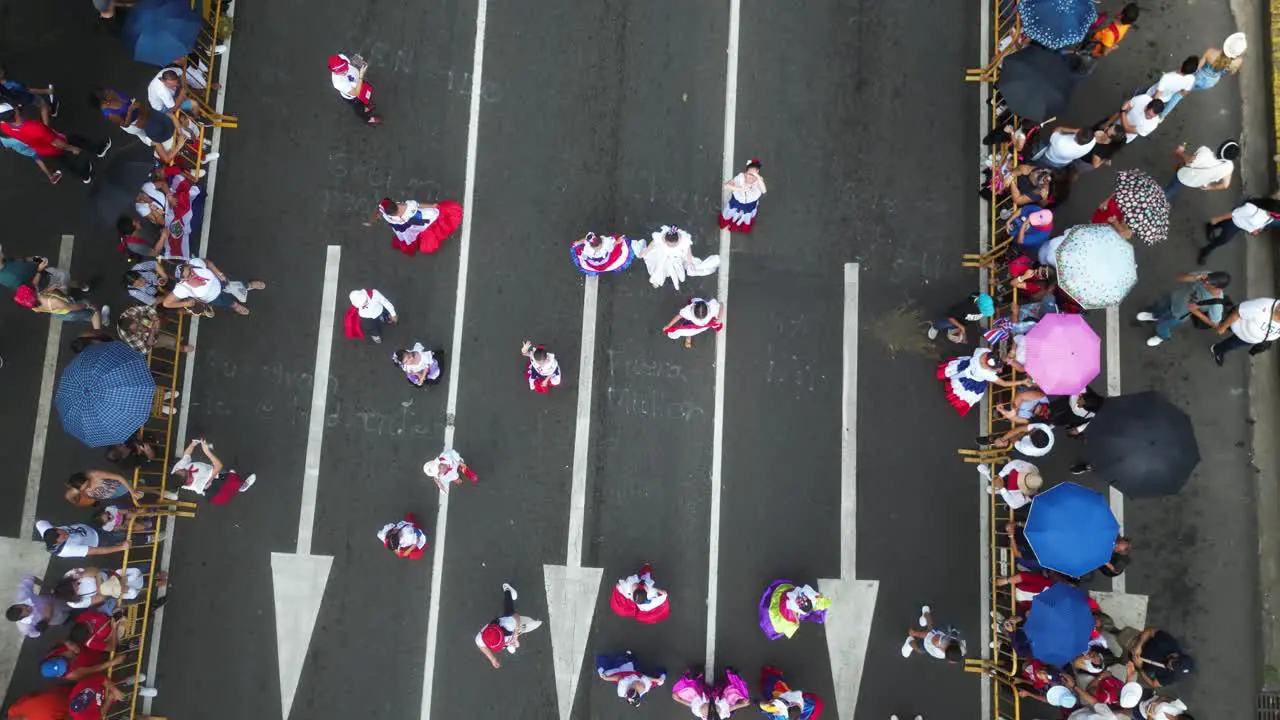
(338, 64)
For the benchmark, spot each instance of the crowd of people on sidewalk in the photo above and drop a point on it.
(1034, 361)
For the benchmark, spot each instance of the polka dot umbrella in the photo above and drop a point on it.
(1145, 208)
(1056, 24)
(1095, 266)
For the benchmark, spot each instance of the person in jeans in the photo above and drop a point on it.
(1198, 295)
(1204, 169)
(1254, 324)
(199, 281)
(970, 310)
(1253, 216)
(68, 152)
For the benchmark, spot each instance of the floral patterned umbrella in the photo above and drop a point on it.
(1145, 208)
(1095, 266)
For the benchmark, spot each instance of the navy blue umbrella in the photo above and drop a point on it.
(1071, 529)
(159, 31)
(1059, 624)
(1056, 24)
(105, 394)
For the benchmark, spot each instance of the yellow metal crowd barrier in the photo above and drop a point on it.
(148, 525)
(1001, 663)
(200, 70)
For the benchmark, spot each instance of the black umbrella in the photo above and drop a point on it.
(1036, 83)
(1143, 445)
(116, 185)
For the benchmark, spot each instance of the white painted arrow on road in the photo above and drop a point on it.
(572, 589)
(853, 601)
(298, 579)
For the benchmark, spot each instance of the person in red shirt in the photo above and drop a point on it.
(68, 152)
(93, 697)
(48, 704)
(70, 662)
(94, 631)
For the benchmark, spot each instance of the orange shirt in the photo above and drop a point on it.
(1109, 36)
(48, 704)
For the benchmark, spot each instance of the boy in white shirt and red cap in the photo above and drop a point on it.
(448, 468)
(348, 79)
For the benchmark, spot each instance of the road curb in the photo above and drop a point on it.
(1260, 116)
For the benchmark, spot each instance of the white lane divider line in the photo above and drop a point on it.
(722, 338)
(1113, 389)
(451, 405)
(44, 407)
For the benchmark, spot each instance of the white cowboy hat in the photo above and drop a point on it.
(1235, 45)
(1030, 482)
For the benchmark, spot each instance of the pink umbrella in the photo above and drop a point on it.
(1063, 354)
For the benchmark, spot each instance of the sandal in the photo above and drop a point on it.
(240, 309)
(257, 285)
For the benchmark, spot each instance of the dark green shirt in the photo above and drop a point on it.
(17, 273)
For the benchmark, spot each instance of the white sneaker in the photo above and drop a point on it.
(105, 313)
(172, 395)
(924, 610)
(1154, 340)
(985, 471)
(148, 692)
(932, 332)
(1145, 316)
(171, 495)
(210, 158)
(907, 649)
(893, 717)
(248, 482)
(219, 49)
(510, 590)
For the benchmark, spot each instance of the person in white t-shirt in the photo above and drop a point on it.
(199, 477)
(79, 540)
(1204, 169)
(1140, 116)
(939, 643)
(1173, 84)
(200, 281)
(166, 93)
(348, 79)
(1253, 324)
(1064, 146)
(1252, 216)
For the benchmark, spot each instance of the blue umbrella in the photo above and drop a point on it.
(1056, 24)
(105, 394)
(1059, 624)
(1071, 529)
(158, 31)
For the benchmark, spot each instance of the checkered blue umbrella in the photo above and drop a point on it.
(105, 394)
(1056, 24)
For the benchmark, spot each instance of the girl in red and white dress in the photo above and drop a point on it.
(636, 596)
(595, 254)
(448, 468)
(697, 317)
(543, 371)
(419, 227)
(405, 538)
(745, 190)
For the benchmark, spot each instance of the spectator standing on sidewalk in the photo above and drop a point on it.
(22, 96)
(1175, 84)
(503, 633)
(1254, 324)
(69, 152)
(959, 316)
(35, 610)
(1199, 295)
(1139, 117)
(1105, 39)
(1253, 216)
(1205, 169)
(47, 704)
(1064, 146)
(80, 540)
(139, 327)
(1216, 63)
(348, 79)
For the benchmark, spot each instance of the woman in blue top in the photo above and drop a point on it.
(1214, 65)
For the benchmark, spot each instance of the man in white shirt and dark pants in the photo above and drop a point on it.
(1064, 146)
(370, 309)
(1252, 216)
(348, 79)
(1139, 117)
(1176, 83)
(1254, 324)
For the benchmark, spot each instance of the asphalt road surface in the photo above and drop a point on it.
(606, 117)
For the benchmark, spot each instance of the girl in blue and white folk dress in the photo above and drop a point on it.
(745, 190)
(595, 254)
